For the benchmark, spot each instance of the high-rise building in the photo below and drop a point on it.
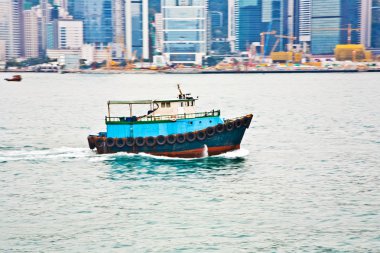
(11, 30)
(218, 30)
(137, 28)
(70, 34)
(328, 24)
(159, 34)
(375, 26)
(118, 21)
(185, 30)
(304, 21)
(31, 34)
(232, 18)
(97, 20)
(256, 16)
(44, 20)
(365, 22)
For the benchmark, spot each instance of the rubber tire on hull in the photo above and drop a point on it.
(120, 142)
(190, 137)
(130, 141)
(181, 138)
(229, 126)
(219, 128)
(150, 141)
(201, 135)
(110, 142)
(171, 139)
(140, 141)
(210, 131)
(161, 140)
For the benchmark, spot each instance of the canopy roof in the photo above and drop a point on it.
(137, 102)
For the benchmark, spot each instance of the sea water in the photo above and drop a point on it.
(306, 179)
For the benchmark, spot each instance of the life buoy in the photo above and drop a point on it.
(181, 138)
(110, 142)
(238, 123)
(91, 142)
(99, 142)
(150, 141)
(173, 118)
(190, 137)
(120, 142)
(229, 126)
(140, 141)
(171, 139)
(219, 128)
(201, 135)
(161, 140)
(210, 131)
(130, 141)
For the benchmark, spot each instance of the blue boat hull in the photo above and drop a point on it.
(207, 142)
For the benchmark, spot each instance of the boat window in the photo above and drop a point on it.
(163, 105)
(192, 103)
(181, 104)
(188, 103)
(167, 104)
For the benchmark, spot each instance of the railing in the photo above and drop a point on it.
(212, 113)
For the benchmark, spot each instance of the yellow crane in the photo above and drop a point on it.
(349, 30)
(279, 37)
(262, 35)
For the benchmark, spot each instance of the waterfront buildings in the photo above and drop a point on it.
(185, 30)
(11, 30)
(137, 28)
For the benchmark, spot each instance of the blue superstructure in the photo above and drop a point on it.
(146, 129)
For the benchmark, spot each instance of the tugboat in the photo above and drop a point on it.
(15, 78)
(170, 128)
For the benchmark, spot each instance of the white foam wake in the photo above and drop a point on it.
(43, 154)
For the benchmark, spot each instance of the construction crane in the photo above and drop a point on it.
(262, 35)
(279, 37)
(349, 30)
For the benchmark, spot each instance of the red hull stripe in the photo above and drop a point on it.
(197, 153)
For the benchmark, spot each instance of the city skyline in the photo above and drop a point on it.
(182, 31)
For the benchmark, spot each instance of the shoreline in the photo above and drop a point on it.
(200, 71)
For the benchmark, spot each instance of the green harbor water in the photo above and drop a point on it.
(306, 179)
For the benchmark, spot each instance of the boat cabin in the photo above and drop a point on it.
(163, 117)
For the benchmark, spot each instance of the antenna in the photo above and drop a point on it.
(180, 91)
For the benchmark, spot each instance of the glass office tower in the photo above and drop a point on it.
(257, 16)
(327, 24)
(97, 19)
(137, 28)
(185, 30)
(375, 26)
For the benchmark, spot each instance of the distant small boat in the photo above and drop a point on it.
(15, 78)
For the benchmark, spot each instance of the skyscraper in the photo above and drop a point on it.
(185, 34)
(375, 26)
(97, 19)
(328, 23)
(31, 33)
(11, 30)
(304, 21)
(137, 28)
(256, 16)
